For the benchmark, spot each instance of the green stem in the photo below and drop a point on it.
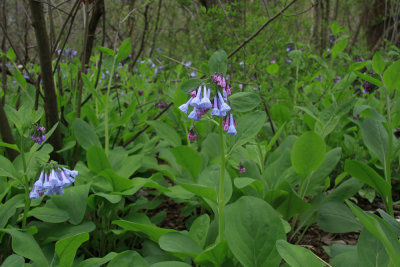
(388, 172)
(106, 133)
(221, 185)
(297, 80)
(26, 184)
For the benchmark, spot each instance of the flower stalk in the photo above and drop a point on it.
(221, 190)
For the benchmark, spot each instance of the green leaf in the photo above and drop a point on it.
(105, 50)
(25, 245)
(371, 252)
(218, 62)
(73, 201)
(166, 132)
(179, 243)
(152, 231)
(170, 264)
(328, 165)
(338, 47)
(7, 210)
(251, 230)
(12, 146)
(377, 227)
(50, 215)
(391, 221)
(7, 168)
(199, 229)
(248, 126)
(50, 232)
(11, 54)
(201, 191)
(368, 78)
(297, 256)
(191, 84)
(128, 258)
(308, 153)
(66, 248)
(288, 204)
(85, 134)
(391, 77)
(124, 50)
(97, 159)
(273, 68)
(376, 139)
(97, 262)
(130, 165)
(244, 101)
(366, 174)
(215, 253)
(189, 159)
(118, 182)
(242, 182)
(69, 145)
(335, 217)
(14, 261)
(378, 65)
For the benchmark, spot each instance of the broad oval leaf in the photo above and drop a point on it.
(297, 256)
(308, 153)
(244, 101)
(251, 230)
(85, 134)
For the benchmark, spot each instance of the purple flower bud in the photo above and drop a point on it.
(192, 135)
(140, 92)
(241, 168)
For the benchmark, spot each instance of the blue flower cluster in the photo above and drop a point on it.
(201, 103)
(53, 182)
(37, 135)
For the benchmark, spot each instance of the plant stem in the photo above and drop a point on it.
(221, 185)
(106, 144)
(297, 81)
(388, 172)
(26, 184)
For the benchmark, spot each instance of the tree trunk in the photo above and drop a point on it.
(50, 98)
(94, 21)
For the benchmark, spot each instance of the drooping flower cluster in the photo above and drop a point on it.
(38, 134)
(367, 87)
(201, 103)
(69, 53)
(52, 181)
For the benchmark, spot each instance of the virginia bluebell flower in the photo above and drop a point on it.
(205, 102)
(367, 87)
(38, 134)
(196, 101)
(231, 128)
(223, 106)
(52, 181)
(184, 107)
(201, 102)
(215, 111)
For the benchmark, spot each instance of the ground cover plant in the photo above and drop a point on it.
(239, 138)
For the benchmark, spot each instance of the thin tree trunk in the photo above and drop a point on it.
(94, 21)
(50, 98)
(316, 24)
